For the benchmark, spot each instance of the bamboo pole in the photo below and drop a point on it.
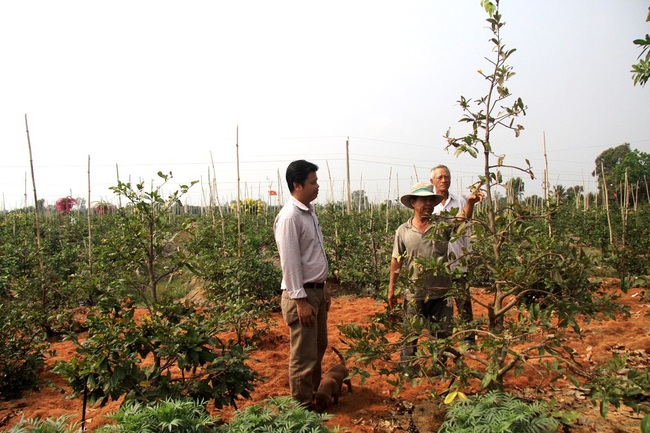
(347, 166)
(606, 199)
(547, 197)
(41, 267)
(90, 231)
(238, 198)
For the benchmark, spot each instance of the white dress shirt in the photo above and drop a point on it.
(300, 244)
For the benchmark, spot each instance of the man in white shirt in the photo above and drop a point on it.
(441, 180)
(305, 298)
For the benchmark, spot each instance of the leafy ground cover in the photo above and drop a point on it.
(373, 407)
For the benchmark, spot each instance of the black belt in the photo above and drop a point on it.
(314, 285)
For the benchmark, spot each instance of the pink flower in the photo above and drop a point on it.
(65, 204)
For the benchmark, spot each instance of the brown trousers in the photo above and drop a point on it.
(308, 345)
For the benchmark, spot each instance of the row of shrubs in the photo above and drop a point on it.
(491, 412)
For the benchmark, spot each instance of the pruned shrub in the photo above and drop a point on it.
(279, 414)
(169, 415)
(49, 425)
(498, 412)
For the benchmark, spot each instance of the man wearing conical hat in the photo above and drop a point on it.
(414, 240)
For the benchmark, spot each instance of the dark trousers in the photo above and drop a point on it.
(438, 311)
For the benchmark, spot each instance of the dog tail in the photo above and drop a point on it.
(339, 355)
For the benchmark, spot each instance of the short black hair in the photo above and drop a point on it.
(298, 171)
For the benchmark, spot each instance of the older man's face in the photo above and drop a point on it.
(441, 180)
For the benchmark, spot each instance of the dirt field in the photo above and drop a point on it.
(372, 408)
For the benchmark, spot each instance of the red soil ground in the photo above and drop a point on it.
(372, 407)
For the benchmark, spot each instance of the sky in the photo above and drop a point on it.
(235, 91)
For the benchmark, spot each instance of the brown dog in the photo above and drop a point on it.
(331, 385)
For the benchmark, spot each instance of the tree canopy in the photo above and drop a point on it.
(616, 162)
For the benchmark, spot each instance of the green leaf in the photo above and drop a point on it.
(645, 424)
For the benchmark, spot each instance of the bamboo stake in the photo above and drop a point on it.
(238, 198)
(546, 188)
(41, 267)
(606, 199)
(347, 166)
(90, 231)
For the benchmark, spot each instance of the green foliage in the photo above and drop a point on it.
(628, 256)
(359, 245)
(251, 275)
(498, 412)
(243, 289)
(109, 362)
(537, 285)
(22, 349)
(144, 248)
(622, 164)
(37, 425)
(63, 248)
(169, 415)
(279, 414)
(616, 383)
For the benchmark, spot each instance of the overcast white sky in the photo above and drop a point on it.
(160, 85)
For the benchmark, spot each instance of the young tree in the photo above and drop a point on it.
(537, 284)
(145, 247)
